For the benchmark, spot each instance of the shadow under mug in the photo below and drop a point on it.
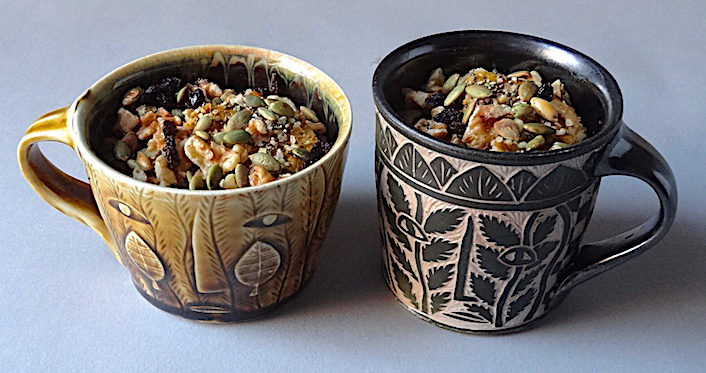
(222, 255)
(487, 242)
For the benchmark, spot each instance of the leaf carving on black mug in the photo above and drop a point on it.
(498, 232)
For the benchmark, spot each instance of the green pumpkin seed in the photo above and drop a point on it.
(196, 180)
(241, 175)
(527, 90)
(202, 134)
(214, 176)
(216, 101)
(309, 114)
(450, 83)
(204, 123)
(228, 182)
(239, 120)
(453, 95)
(302, 154)
(522, 111)
(182, 94)
(538, 129)
(253, 101)
(267, 114)
(121, 151)
(559, 145)
(177, 112)
(282, 108)
(218, 137)
(478, 91)
(236, 137)
(536, 142)
(468, 110)
(265, 160)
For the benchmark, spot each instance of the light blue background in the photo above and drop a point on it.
(66, 305)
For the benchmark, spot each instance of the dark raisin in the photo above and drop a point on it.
(449, 115)
(162, 93)
(546, 91)
(319, 149)
(275, 84)
(457, 128)
(170, 150)
(435, 99)
(195, 98)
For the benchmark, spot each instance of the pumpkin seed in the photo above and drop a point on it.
(236, 137)
(182, 94)
(214, 176)
(216, 101)
(239, 120)
(228, 182)
(202, 134)
(536, 142)
(453, 95)
(218, 137)
(204, 123)
(309, 114)
(450, 83)
(538, 129)
(527, 90)
(177, 112)
(281, 108)
(265, 160)
(521, 111)
(559, 145)
(468, 110)
(478, 91)
(196, 181)
(507, 129)
(302, 154)
(267, 113)
(121, 151)
(253, 101)
(241, 175)
(544, 108)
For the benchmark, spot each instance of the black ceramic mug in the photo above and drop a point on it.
(480, 241)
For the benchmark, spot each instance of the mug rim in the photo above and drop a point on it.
(419, 47)
(88, 155)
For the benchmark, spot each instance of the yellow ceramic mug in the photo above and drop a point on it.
(208, 255)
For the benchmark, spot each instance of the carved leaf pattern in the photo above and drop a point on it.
(559, 181)
(442, 169)
(443, 220)
(544, 229)
(412, 164)
(439, 276)
(439, 301)
(399, 199)
(480, 183)
(483, 288)
(482, 311)
(489, 262)
(498, 232)
(437, 250)
(519, 304)
(520, 183)
(257, 265)
(405, 285)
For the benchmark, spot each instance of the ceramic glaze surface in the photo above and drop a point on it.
(463, 245)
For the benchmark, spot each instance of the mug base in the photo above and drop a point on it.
(497, 332)
(215, 314)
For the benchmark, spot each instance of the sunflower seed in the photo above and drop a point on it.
(450, 83)
(478, 91)
(309, 114)
(453, 95)
(236, 137)
(527, 90)
(536, 142)
(214, 176)
(267, 113)
(538, 129)
(204, 123)
(253, 101)
(239, 120)
(241, 175)
(265, 160)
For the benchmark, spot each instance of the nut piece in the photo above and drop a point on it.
(507, 129)
(259, 175)
(127, 120)
(544, 109)
(131, 96)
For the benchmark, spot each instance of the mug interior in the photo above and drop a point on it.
(594, 93)
(235, 67)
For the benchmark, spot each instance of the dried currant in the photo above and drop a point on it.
(435, 99)
(546, 92)
(452, 118)
(162, 93)
(195, 98)
(170, 150)
(317, 151)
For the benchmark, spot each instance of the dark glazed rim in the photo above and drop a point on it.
(414, 49)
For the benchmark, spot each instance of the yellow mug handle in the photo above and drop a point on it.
(69, 195)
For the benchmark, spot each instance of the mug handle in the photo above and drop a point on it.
(71, 196)
(628, 154)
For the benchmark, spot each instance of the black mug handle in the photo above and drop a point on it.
(630, 155)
